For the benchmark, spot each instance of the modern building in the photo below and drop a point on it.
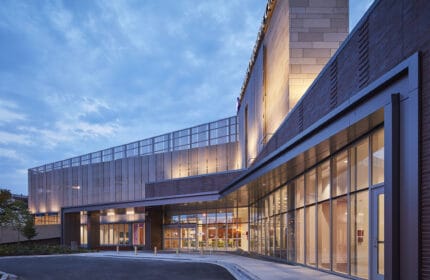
(326, 165)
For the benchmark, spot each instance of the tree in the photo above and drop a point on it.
(5, 200)
(29, 231)
(15, 214)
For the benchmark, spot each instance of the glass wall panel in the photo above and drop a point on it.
(378, 157)
(261, 238)
(310, 236)
(283, 232)
(121, 235)
(212, 233)
(265, 236)
(360, 165)
(340, 234)
(300, 236)
(291, 236)
(271, 231)
(222, 231)
(139, 234)
(111, 237)
(300, 191)
(359, 247)
(310, 183)
(272, 204)
(324, 181)
(105, 234)
(277, 202)
(84, 235)
(283, 198)
(115, 234)
(277, 221)
(324, 235)
(211, 217)
(340, 174)
(324, 226)
(102, 235)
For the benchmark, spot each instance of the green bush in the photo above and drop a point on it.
(36, 249)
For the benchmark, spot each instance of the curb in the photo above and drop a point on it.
(235, 270)
(6, 276)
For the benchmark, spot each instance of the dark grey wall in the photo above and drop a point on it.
(93, 229)
(71, 228)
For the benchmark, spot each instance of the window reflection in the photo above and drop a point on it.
(310, 236)
(340, 178)
(324, 235)
(378, 157)
(324, 181)
(359, 234)
(310, 181)
(340, 234)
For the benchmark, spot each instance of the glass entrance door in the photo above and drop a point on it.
(377, 234)
(188, 237)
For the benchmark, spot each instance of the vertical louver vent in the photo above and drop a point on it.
(333, 84)
(363, 54)
(300, 117)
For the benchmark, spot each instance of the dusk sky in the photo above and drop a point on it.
(81, 76)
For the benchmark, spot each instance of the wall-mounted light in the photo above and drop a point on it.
(77, 187)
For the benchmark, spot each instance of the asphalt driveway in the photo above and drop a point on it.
(81, 267)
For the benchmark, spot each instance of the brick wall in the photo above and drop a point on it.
(207, 183)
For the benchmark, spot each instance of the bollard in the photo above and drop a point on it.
(201, 251)
(135, 250)
(117, 249)
(155, 250)
(177, 251)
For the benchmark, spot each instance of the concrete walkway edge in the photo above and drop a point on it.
(240, 267)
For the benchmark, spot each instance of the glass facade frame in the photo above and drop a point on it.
(209, 229)
(326, 218)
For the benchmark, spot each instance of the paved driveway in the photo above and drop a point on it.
(81, 267)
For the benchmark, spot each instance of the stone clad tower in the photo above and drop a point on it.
(296, 40)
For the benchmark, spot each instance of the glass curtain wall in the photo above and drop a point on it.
(321, 218)
(115, 234)
(216, 229)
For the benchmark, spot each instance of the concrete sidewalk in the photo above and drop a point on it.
(240, 267)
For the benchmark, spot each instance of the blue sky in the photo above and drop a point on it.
(80, 76)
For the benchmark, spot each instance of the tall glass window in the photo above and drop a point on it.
(321, 217)
(310, 182)
(300, 236)
(310, 236)
(378, 157)
(360, 165)
(359, 247)
(340, 175)
(300, 191)
(340, 234)
(291, 236)
(324, 181)
(324, 235)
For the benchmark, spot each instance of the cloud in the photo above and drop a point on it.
(8, 115)
(14, 138)
(95, 74)
(9, 153)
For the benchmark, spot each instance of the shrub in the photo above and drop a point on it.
(35, 249)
